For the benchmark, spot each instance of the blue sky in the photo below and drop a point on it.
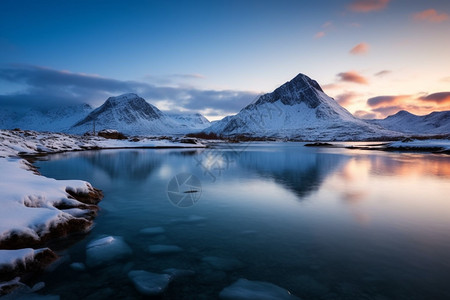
(217, 56)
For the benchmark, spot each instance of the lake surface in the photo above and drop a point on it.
(322, 223)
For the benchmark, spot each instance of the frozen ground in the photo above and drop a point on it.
(35, 208)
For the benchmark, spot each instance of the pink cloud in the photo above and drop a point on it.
(368, 5)
(352, 76)
(361, 48)
(346, 98)
(383, 106)
(431, 15)
(319, 35)
(381, 101)
(439, 98)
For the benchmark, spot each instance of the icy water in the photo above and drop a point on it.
(322, 223)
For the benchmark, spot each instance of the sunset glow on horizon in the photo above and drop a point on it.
(374, 57)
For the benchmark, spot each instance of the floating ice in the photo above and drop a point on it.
(244, 289)
(106, 250)
(149, 284)
(164, 249)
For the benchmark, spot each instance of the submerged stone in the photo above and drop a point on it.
(149, 284)
(106, 250)
(244, 289)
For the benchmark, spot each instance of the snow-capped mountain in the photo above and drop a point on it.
(190, 122)
(58, 119)
(433, 123)
(298, 109)
(132, 115)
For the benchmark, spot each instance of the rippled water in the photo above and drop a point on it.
(322, 223)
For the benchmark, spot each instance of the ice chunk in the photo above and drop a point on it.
(152, 230)
(149, 284)
(164, 249)
(222, 263)
(244, 289)
(106, 250)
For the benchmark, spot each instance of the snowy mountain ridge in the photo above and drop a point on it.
(437, 122)
(127, 113)
(299, 109)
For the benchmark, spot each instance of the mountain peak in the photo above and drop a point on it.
(124, 98)
(301, 89)
(402, 113)
(303, 80)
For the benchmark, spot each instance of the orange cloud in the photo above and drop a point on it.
(431, 15)
(352, 76)
(384, 106)
(361, 48)
(368, 5)
(439, 98)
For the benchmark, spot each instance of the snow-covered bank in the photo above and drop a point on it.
(33, 207)
(36, 209)
(16, 142)
(421, 145)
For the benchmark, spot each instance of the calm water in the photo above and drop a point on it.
(322, 223)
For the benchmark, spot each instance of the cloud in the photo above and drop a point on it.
(188, 76)
(331, 86)
(431, 15)
(43, 88)
(380, 101)
(383, 73)
(362, 114)
(352, 76)
(368, 5)
(439, 98)
(327, 27)
(416, 104)
(346, 98)
(361, 48)
(355, 25)
(319, 35)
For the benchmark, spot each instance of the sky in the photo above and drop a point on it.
(375, 57)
